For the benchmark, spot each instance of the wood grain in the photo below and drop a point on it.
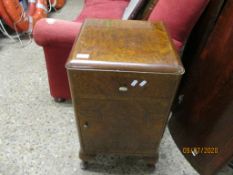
(129, 122)
(125, 45)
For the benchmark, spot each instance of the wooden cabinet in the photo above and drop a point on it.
(123, 77)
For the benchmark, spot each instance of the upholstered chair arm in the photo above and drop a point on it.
(55, 32)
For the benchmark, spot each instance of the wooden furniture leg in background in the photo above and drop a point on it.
(202, 121)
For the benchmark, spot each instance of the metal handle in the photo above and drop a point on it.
(123, 89)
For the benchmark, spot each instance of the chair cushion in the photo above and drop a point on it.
(91, 2)
(103, 9)
(179, 16)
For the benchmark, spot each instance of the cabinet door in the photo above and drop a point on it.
(121, 126)
(202, 121)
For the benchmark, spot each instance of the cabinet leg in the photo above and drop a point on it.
(85, 158)
(151, 161)
(231, 164)
(84, 165)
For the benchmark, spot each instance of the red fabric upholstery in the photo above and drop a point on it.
(55, 32)
(179, 16)
(56, 58)
(92, 2)
(57, 38)
(112, 10)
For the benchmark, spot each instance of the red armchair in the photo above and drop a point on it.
(57, 36)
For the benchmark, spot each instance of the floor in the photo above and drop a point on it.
(39, 136)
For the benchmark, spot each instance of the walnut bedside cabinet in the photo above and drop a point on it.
(123, 77)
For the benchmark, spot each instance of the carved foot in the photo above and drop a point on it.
(231, 164)
(84, 165)
(151, 161)
(151, 166)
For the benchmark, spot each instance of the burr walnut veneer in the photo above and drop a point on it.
(123, 76)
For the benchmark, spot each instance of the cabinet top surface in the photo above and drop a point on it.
(124, 45)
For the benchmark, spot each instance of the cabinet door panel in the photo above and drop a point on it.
(122, 126)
